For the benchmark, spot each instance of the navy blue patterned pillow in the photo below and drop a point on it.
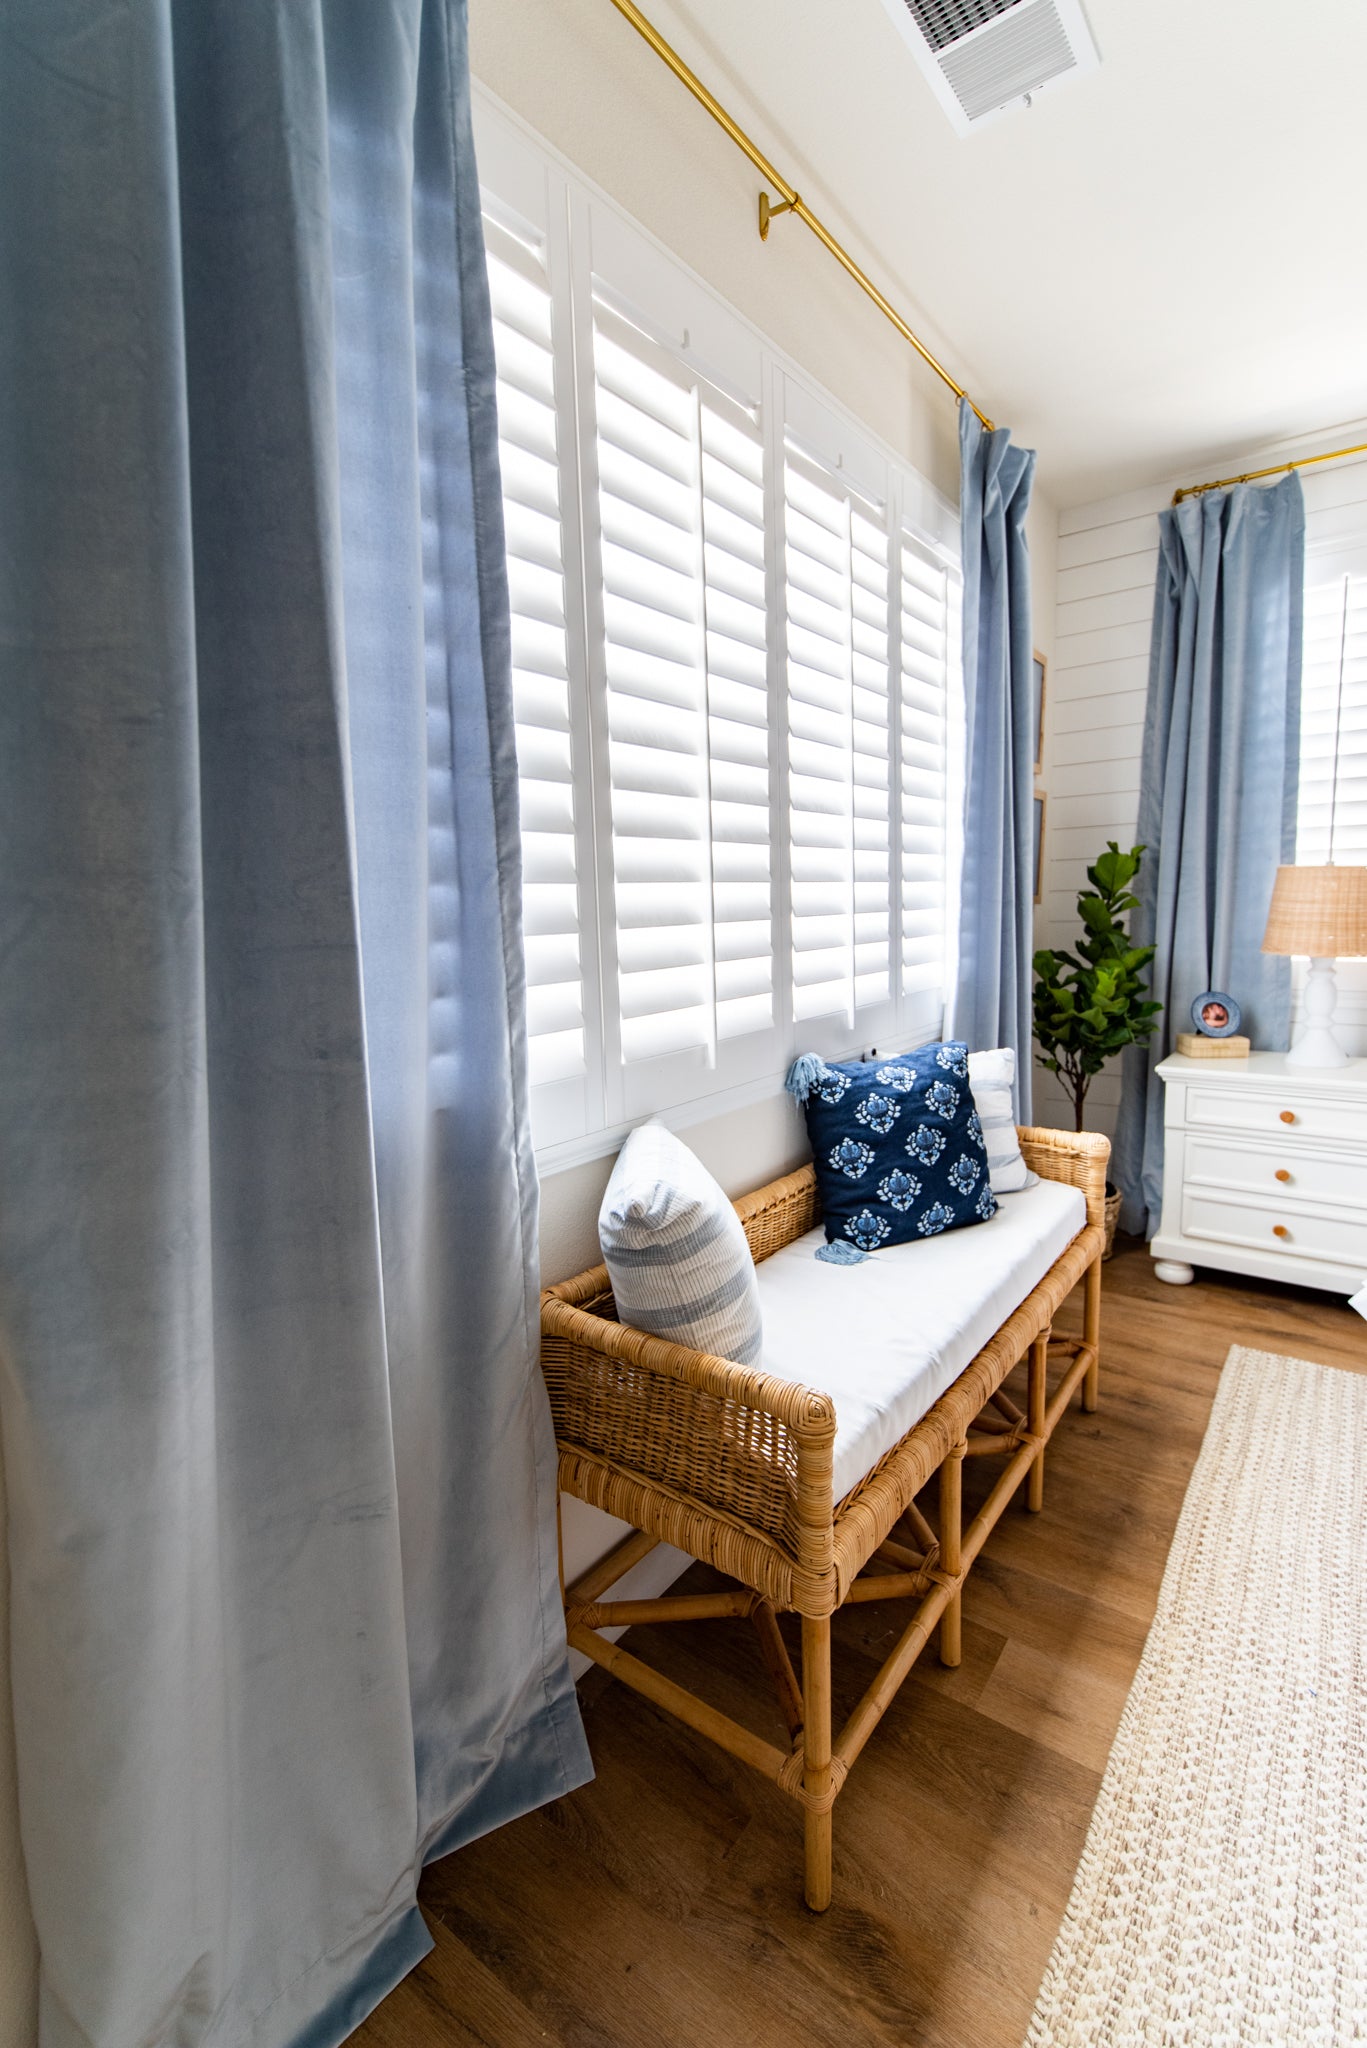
(897, 1145)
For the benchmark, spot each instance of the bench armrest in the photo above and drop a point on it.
(736, 1441)
(1078, 1158)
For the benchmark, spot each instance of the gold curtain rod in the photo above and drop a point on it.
(792, 202)
(1276, 469)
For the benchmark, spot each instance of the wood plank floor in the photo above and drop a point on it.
(660, 1907)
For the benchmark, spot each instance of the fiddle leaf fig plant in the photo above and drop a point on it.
(1091, 1003)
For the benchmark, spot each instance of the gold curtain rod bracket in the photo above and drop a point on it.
(1224, 483)
(768, 212)
(791, 203)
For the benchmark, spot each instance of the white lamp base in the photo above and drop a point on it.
(1316, 1045)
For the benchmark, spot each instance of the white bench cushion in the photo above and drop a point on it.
(886, 1338)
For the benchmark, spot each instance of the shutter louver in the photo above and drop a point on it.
(735, 653)
(925, 668)
(738, 719)
(836, 579)
(681, 509)
(520, 294)
(1329, 631)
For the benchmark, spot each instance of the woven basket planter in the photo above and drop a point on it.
(1112, 1217)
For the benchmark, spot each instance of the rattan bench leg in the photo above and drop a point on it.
(951, 1541)
(1091, 1335)
(816, 1757)
(1038, 1396)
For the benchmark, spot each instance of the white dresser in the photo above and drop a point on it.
(1265, 1171)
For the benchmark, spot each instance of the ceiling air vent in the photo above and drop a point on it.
(983, 56)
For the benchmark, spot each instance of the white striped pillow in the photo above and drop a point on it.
(992, 1077)
(674, 1248)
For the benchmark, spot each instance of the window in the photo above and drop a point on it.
(1334, 705)
(1332, 818)
(736, 683)
(529, 455)
(680, 471)
(839, 744)
(931, 753)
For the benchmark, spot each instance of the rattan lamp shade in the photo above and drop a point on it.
(1321, 912)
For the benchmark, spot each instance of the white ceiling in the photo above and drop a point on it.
(1150, 270)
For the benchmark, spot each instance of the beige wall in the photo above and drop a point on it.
(579, 75)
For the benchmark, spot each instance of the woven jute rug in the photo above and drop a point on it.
(1222, 1893)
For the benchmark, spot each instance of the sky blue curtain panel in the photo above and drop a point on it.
(1218, 781)
(281, 1476)
(996, 916)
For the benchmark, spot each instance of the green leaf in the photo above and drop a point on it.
(1090, 1004)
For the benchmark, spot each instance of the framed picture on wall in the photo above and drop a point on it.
(1041, 671)
(1040, 802)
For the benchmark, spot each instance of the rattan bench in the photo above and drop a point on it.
(734, 1467)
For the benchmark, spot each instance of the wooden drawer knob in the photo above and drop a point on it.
(1280, 1230)
(1282, 1174)
(1288, 1116)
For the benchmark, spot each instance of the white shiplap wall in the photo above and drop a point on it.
(1094, 713)
(1094, 725)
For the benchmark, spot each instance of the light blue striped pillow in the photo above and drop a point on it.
(992, 1077)
(675, 1251)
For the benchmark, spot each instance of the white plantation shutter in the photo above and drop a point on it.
(528, 453)
(737, 685)
(839, 743)
(738, 717)
(1331, 631)
(681, 511)
(929, 599)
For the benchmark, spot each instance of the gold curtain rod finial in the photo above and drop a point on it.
(768, 212)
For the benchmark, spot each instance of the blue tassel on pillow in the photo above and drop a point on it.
(840, 1253)
(804, 1074)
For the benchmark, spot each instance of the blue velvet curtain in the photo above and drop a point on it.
(1218, 781)
(281, 1479)
(996, 917)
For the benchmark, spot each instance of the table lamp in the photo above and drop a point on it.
(1321, 912)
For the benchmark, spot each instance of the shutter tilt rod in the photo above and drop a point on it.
(791, 202)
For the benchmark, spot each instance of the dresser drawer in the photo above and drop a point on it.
(1305, 1234)
(1278, 1112)
(1290, 1172)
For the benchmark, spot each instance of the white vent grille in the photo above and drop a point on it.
(1021, 54)
(943, 22)
(983, 56)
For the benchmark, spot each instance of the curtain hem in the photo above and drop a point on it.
(521, 1780)
(397, 1947)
